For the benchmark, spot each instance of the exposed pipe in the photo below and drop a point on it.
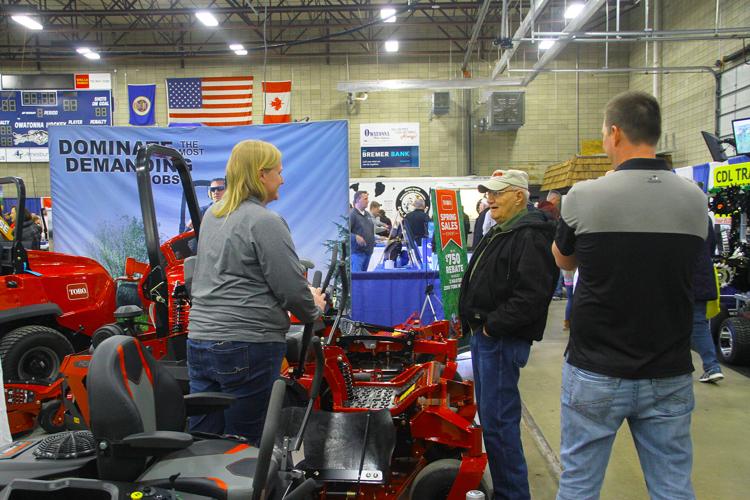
(535, 10)
(475, 34)
(648, 37)
(655, 58)
(504, 20)
(591, 8)
(625, 34)
(644, 70)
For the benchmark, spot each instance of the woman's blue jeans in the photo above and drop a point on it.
(243, 369)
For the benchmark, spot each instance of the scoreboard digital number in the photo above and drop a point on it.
(26, 115)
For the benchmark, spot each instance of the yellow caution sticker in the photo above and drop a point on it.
(408, 391)
(732, 175)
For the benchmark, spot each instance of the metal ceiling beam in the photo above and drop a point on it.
(273, 9)
(591, 8)
(475, 33)
(537, 7)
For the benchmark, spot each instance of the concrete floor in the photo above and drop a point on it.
(720, 429)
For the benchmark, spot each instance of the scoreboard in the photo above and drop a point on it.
(26, 114)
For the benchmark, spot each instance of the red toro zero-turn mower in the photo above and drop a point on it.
(160, 290)
(50, 303)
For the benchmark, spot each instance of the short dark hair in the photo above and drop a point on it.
(358, 195)
(637, 114)
(217, 179)
(374, 204)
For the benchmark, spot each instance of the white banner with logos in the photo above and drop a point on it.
(389, 145)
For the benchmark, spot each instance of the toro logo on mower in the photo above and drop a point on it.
(78, 291)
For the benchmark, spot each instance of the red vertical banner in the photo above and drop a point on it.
(451, 251)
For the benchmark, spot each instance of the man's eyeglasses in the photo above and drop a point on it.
(213, 189)
(495, 194)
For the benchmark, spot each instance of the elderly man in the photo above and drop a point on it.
(417, 221)
(505, 295)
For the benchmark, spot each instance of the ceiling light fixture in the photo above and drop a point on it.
(92, 55)
(388, 15)
(206, 18)
(546, 44)
(241, 52)
(391, 46)
(83, 50)
(236, 46)
(573, 10)
(27, 22)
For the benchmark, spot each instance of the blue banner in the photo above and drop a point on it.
(141, 104)
(95, 195)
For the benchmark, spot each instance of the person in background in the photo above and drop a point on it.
(380, 228)
(482, 209)
(634, 236)
(215, 191)
(247, 279)
(385, 220)
(31, 233)
(417, 221)
(551, 206)
(504, 300)
(362, 231)
(704, 290)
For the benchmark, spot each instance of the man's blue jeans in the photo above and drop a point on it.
(593, 407)
(360, 261)
(497, 363)
(245, 370)
(702, 342)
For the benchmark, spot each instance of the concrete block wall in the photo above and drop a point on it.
(688, 99)
(561, 109)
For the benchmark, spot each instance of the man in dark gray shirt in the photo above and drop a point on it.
(634, 236)
(362, 233)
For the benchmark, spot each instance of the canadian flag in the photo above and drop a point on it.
(278, 108)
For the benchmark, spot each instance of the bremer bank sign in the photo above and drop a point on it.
(389, 145)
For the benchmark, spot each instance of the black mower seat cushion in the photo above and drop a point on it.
(294, 343)
(217, 468)
(333, 443)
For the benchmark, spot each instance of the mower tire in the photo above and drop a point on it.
(733, 345)
(33, 352)
(104, 332)
(127, 294)
(50, 418)
(716, 321)
(435, 481)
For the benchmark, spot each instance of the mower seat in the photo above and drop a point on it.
(138, 416)
(337, 445)
(294, 343)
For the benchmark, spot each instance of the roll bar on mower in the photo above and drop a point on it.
(13, 258)
(148, 209)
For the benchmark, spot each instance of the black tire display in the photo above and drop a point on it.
(46, 417)
(716, 321)
(434, 482)
(104, 332)
(127, 294)
(33, 352)
(733, 344)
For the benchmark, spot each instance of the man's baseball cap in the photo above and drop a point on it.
(502, 179)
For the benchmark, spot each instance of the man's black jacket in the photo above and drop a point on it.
(514, 280)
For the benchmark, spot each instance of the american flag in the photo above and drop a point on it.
(214, 101)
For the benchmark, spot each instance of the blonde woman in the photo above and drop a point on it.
(247, 276)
